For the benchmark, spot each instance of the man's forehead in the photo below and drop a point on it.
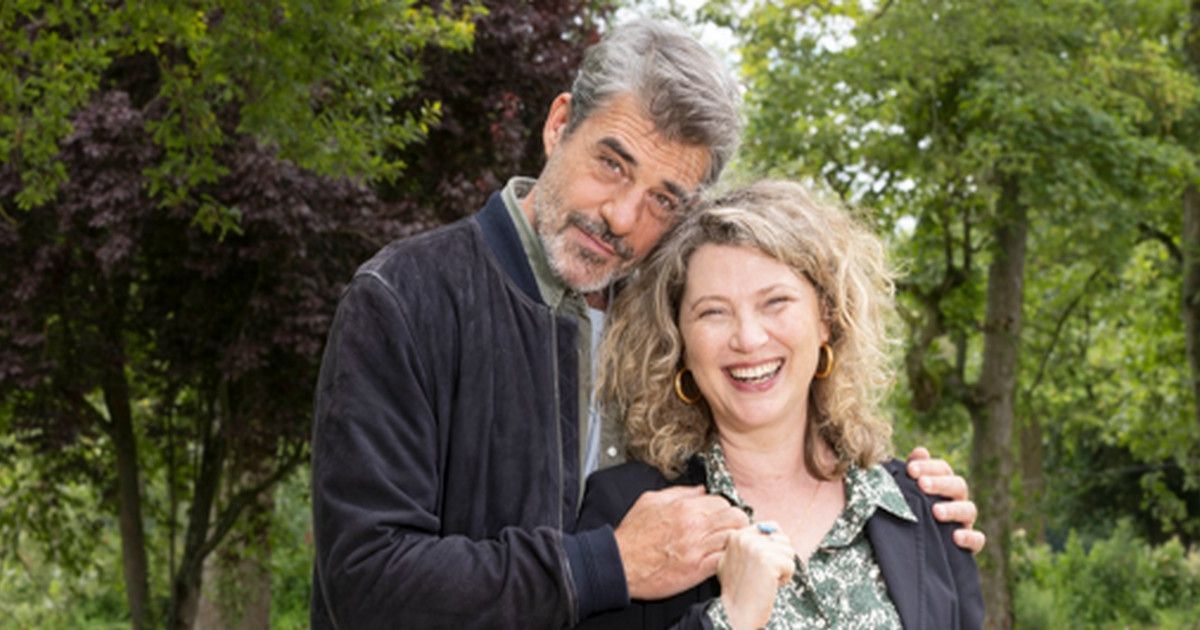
(623, 126)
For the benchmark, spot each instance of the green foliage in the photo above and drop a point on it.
(38, 591)
(1118, 581)
(1105, 376)
(44, 76)
(291, 553)
(318, 82)
(58, 552)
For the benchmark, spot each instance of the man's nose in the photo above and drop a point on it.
(622, 210)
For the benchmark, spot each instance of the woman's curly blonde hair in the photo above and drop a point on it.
(844, 261)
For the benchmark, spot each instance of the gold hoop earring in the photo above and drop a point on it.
(827, 354)
(679, 389)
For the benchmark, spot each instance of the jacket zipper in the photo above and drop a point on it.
(557, 414)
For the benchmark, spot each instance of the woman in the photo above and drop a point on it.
(751, 356)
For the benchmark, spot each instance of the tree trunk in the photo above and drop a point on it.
(1033, 479)
(129, 493)
(185, 584)
(992, 417)
(236, 589)
(1190, 246)
(1190, 240)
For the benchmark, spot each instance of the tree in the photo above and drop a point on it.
(986, 138)
(124, 125)
(318, 84)
(118, 301)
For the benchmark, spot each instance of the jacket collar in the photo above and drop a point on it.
(505, 243)
(551, 287)
(899, 546)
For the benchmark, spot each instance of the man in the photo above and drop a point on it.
(452, 424)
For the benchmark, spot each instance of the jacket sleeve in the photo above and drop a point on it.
(380, 558)
(609, 495)
(696, 618)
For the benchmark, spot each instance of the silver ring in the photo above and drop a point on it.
(767, 529)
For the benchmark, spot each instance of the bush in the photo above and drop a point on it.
(1115, 582)
(291, 553)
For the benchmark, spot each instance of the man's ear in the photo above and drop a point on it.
(556, 122)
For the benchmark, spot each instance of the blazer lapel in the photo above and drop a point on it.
(899, 547)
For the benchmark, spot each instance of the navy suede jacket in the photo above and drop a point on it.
(932, 582)
(445, 468)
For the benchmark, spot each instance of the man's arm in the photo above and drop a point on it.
(936, 477)
(380, 557)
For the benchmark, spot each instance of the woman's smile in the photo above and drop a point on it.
(755, 376)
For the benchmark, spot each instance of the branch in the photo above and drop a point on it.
(882, 10)
(1058, 328)
(243, 499)
(1151, 233)
(9, 219)
(86, 408)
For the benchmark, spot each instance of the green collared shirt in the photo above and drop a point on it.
(603, 449)
(841, 586)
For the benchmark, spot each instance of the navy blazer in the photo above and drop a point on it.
(932, 582)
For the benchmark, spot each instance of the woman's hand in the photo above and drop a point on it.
(751, 570)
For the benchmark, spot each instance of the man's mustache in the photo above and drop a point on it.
(599, 230)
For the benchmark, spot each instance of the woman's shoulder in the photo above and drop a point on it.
(643, 476)
(629, 473)
(907, 485)
(913, 494)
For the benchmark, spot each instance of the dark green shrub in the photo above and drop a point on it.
(1118, 581)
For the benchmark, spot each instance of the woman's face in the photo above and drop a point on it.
(752, 332)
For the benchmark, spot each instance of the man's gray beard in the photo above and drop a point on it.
(555, 244)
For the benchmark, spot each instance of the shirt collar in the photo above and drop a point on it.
(868, 489)
(549, 285)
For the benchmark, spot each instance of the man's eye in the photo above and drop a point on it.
(610, 164)
(665, 203)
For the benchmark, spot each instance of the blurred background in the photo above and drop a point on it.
(186, 186)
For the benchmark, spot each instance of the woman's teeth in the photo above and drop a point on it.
(757, 373)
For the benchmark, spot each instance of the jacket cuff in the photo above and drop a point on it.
(597, 571)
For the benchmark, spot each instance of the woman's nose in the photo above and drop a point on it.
(750, 334)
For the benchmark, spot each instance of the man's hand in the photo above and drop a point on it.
(671, 540)
(935, 476)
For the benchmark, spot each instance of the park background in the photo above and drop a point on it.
(186, 186)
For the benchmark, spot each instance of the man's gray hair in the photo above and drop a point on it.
(688, 94)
